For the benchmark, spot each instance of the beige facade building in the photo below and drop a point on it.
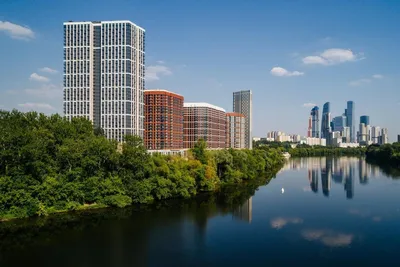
(235, 130)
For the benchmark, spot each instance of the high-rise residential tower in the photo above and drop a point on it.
(243, 104)
(315, 122)
(204, 121)
(104, 68)
(235, 130)
(364, 132)
(350, 116)
(163, 124)
(326, 121)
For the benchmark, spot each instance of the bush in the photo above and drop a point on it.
(119, 201)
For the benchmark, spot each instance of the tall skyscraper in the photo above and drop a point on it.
(326, 121)
(243, 104)
(350, 116)
(163, 125)
(235, 130)
(364, 130)
(375, 134)
(309, 128)
(315, 122)
(104, 68)
(339, 123)
(204, 121)
(364, 119)
(384, 138)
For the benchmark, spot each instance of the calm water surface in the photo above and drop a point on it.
(332, 211)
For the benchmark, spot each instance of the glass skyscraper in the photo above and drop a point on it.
(104, 68)
(243, 104)
(350, 115)
(326, 121)
(364, 119)
(315, 122)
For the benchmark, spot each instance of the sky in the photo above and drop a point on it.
(292, 54)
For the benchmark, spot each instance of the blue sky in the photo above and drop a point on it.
(290, 53)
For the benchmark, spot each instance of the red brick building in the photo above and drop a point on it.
(204, 121)
(163, 123)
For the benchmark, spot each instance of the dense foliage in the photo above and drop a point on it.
(388, 154)
(303, 150)
(48, 164)
(307, 151)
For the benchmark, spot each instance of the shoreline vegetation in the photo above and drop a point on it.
(304, 150)
(386, 156)
(51, 165)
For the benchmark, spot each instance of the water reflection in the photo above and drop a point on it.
(244, 212)
(340, 170)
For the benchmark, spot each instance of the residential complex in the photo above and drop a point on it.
(204, 121)
(243, 104)
(235, 130)
(163, 120)
(104, 68)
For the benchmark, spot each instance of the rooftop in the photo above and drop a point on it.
(202, 105)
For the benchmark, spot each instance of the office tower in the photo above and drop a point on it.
(163, 123)
(243, 104)
(384, 137)
(309, 129)
(364, 119)
(235, 130)
(362, 133)
(398, 138)
(375, 134)
(339, 123)
(350, 116)
(315, 122)
(326, 121)
(104, 75)
(203, 121)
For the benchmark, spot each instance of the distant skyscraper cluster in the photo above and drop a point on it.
(104, 81)
(341, 130)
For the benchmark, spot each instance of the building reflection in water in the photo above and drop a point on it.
(340, 170)
(244, 211)
(326, 172)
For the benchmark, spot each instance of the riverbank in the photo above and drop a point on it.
(387, 155)
(50, 165)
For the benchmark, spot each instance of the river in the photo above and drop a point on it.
(315, 212)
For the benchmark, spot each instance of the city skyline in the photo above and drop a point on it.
(320, 61)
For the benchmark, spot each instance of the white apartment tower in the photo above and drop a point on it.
(243, 104)
(104, 75)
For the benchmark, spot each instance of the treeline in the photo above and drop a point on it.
(308, 151)
(49, 164)
(388, 154)
(303, 150)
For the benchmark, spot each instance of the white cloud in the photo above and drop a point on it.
(280, 222)
(36, 77)
(309, 105)
(160, 62)
(333, 56)
(48, 70)
(359, 82)
(33, 106)
(45, 91)
(328, 237)
(377, 76)
(16, 31)
(281, 72)
(154, 72)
